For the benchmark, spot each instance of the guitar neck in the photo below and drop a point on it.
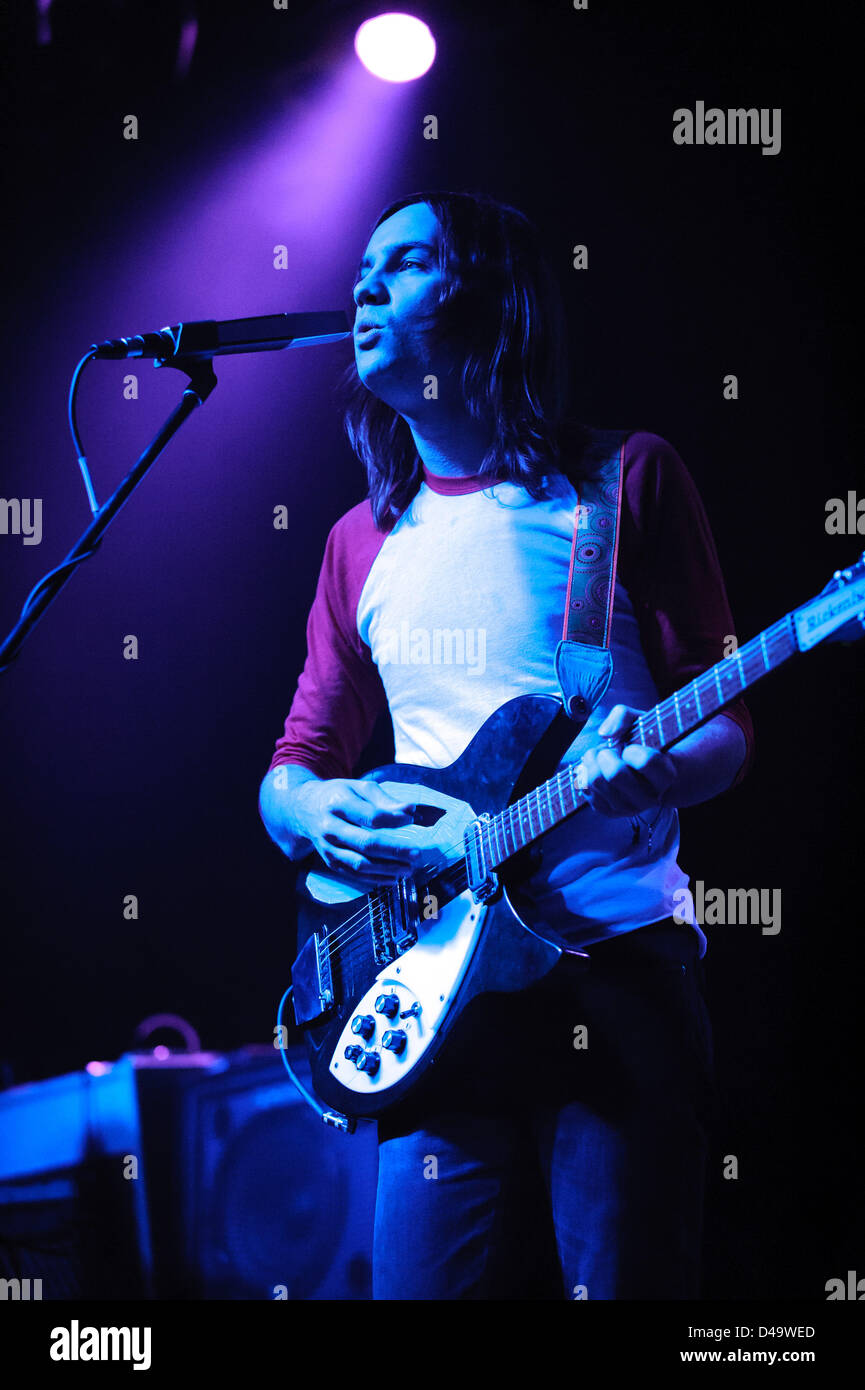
(659, 728)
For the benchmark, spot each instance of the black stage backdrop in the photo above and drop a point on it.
(257, 130)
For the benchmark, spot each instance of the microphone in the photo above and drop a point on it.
(210, 338)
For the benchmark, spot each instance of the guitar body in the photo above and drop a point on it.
(463, 947)
(382, 979)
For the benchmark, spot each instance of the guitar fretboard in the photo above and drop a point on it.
(553, 801)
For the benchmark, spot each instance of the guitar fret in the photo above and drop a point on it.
(495, 825)
(766, 661)
(518, 824)
(743, 679)
(707, 697)
(707, 690)
(503, 819)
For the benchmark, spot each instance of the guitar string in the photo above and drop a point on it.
(337, 942)
(350, 931)
(566, 773)
(783, 629)
(353, 926)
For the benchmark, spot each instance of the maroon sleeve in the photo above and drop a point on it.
(669, 565)
(339, 692)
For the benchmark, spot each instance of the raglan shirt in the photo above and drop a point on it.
(459, 608)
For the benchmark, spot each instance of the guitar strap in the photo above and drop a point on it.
(583, 662)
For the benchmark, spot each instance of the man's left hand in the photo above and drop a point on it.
(627, 779)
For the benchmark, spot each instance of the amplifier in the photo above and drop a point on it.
(186, 1176)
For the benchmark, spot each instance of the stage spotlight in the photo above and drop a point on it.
(395, 47)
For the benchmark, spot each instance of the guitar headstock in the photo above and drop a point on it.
(837, 614)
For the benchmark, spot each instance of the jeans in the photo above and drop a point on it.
(559, 1150)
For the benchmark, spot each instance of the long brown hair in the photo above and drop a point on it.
(500, 302)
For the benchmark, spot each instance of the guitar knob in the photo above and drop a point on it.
(387, 1004)
(368, 1062)
(352, 1052)
(394, 1040)
(363, 1026)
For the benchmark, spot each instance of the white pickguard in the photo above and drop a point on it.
(430, 972)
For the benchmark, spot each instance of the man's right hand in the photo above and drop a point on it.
(346, 821)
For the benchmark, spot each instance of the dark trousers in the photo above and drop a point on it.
(559, 1151)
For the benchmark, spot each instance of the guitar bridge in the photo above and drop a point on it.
(312, 980)
(483, 882)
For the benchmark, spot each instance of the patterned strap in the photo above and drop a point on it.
(595, 547)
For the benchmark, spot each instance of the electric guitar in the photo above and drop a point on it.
(381, 978)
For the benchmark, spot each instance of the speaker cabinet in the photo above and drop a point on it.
(274, 1204)
(241, 1191)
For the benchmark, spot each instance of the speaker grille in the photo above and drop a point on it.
(277, 1200)
(279, 1206)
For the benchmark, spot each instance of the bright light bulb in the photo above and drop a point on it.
(395, 47)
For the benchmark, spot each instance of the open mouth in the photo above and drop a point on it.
(364, 337)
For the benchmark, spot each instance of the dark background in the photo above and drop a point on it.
(141, 777)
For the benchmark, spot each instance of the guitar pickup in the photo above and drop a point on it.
(406, 916)
(312, 981)
(393, 919)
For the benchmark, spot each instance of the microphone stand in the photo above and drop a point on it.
(202, 380)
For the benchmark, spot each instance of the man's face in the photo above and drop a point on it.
(396, 295)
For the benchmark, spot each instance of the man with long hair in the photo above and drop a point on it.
(559, 1170)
